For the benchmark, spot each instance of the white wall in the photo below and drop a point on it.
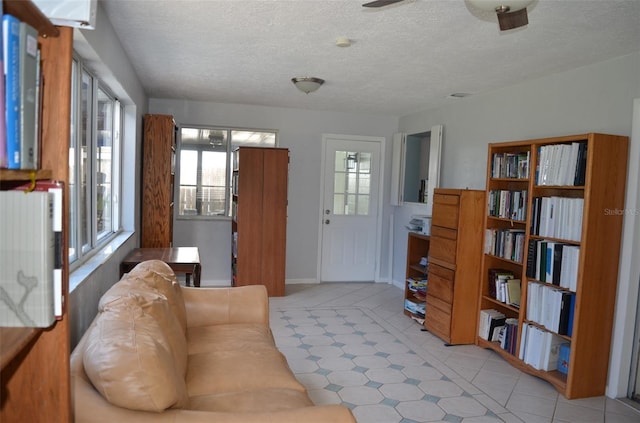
(300, 131)
(596, 98)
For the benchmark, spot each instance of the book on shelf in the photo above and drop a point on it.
(27, 248)
(29, 83)
(557, 217)
(21, 97)
(3, 128)
(496, 276)
(505, 243)
(562, 164)
(56, 189)
(553, 262)
(551, 307)
(11, 60)
(540, 348)
(564, 354)
(489, 320)
(508, 204)
(510, 165)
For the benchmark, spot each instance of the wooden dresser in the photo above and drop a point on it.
(455, 254)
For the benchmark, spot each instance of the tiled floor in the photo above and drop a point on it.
(350, 343)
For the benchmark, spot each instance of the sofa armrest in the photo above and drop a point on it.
(211, 306)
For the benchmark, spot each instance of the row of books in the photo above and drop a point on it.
(551, 307)
(557, 217)
(510, 165)
(562, 164)
(31, 255)
(508, 204)
(504, 287)
(494, 326)
(505, 243)
(20, 99)
(541, 349)
(489, 321)
(553, 262)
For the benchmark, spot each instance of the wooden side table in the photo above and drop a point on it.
(184, 260)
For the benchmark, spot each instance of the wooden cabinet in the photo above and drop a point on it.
(416, 275)
(34, 379)
(158, 165)
(259, 212)
(598, 225)
(454, 265)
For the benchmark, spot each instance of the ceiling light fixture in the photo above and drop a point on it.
(511, 13)
(307, 84)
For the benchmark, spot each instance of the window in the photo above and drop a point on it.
(205, 167)
(94, 163)
(352, 177)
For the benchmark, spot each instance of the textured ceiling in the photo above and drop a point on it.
(404, 58)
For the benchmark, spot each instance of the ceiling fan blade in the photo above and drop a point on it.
(511, 20)
(380, 3)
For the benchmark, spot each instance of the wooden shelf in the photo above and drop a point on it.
(606, 165)
(24, 175)
(29, 12)
(35, 378)
(14, 340)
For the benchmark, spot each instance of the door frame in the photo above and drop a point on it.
(358, 138)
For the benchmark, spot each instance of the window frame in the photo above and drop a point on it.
(230, 147)
(80, 251)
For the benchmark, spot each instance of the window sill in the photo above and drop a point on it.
(101, 256)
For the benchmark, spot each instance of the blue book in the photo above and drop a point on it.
(572, 307)
(11, 59)
(3, 129)
(563, 358)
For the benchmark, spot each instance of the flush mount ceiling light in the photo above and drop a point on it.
(307, 84)
(511, 13)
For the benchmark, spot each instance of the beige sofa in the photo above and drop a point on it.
(159, 352)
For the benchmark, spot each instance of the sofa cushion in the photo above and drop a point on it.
(138, 290)
(217, 372)
(260, 401)
(128, 358)
(230, 337)
(157, 275)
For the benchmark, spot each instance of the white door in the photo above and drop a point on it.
(349, 235)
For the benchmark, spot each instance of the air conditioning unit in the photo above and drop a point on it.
(75, 13)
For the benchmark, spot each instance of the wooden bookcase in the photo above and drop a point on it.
(455, 253)
(597, 269)
(34, 378)
(417, 252)
(158, 174)
(259, 217)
